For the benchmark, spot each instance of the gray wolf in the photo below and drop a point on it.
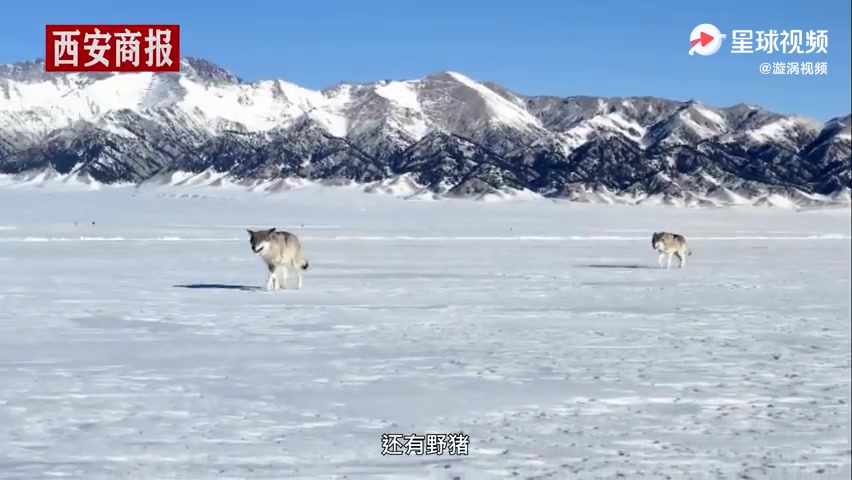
(280, 250)
(670, 244)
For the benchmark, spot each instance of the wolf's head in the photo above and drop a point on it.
(655, 239)
(259, 240)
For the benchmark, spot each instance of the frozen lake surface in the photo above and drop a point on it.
(141, 346)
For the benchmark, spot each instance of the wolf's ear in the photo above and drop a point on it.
(272, 230)
(249, 232)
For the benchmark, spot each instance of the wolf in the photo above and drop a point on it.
(280, 250)
(670, 244)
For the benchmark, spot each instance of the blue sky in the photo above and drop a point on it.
(604, 47)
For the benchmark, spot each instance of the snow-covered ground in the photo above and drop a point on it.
(136, 343)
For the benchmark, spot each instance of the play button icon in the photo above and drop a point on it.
(705, 39)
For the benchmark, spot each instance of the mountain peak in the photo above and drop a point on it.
(448, 76)
(208, 71)
(27, 71)
(33, 71)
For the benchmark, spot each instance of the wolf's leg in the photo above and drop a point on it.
(682, 257)
(296, 263)
(660, 259)
(282, 271)
(271, 280)
(669, 261)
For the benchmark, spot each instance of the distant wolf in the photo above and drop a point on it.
(280, 250)
(670, 244)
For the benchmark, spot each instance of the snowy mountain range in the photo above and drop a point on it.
(441, 135)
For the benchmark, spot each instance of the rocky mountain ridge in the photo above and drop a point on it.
(441, 135)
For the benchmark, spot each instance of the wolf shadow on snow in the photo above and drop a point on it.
(615, 265)
(217, 286)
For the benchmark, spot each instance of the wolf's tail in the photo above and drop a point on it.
(305, 264)
(688, 252)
